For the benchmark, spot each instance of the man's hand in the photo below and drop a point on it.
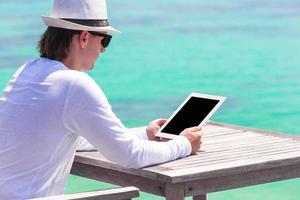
(193, 134)
(153, 128)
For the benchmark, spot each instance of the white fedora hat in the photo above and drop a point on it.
(88, 15)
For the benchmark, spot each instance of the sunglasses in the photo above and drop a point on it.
(106, 38)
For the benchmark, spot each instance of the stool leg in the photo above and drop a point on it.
(200, 197)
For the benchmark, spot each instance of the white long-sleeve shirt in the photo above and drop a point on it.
(44, 110)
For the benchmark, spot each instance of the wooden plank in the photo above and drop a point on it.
(252, 151)
(210, 152)
(227, 161)
(221, 133)
(244, 161)
(220, 183)
(258, 148)
(237, 137)
(246, 134)
(241, 143)
(233, 168)
(109, 194)
(207, 137)
(97, 159)
(120, 178)
(265, 132)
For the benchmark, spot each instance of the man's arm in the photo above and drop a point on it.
(87, 113)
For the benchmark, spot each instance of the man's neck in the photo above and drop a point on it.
(71, 62)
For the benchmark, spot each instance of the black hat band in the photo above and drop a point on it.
(89, 22)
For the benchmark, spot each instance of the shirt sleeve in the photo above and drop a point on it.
(140, 133)
(87, 113)
(84, 145)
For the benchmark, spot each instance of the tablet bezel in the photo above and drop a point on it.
(221, 99)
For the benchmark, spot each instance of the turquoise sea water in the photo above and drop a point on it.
(245, 50)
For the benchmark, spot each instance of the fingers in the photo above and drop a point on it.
(154, 127)
(193, 134)
(160, 122)
(195, 129)
(192, 130)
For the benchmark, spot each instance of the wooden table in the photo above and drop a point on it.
(231, 157)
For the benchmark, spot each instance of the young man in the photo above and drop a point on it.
(49, 104)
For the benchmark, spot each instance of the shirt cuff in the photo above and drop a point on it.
(186, 143)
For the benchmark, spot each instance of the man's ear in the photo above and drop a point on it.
(83, 39)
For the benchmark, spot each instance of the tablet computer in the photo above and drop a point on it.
(195, 110)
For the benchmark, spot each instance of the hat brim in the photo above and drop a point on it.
(60, 23)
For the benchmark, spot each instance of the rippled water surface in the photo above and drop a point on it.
(245, 50)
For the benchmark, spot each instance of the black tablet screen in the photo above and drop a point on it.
(191, 114)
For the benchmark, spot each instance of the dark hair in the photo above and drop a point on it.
(55, 43)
